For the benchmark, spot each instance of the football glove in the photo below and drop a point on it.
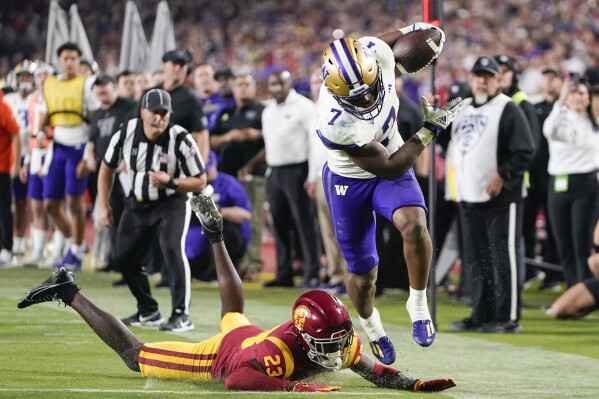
(439, 384)
(424, 26)
(299, 386)
(437, 119)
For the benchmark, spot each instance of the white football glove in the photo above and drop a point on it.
(437, 119)
(424, 26)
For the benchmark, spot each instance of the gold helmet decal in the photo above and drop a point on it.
(299, 316)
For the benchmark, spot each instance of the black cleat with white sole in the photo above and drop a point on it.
(59, 286)
(209, 216)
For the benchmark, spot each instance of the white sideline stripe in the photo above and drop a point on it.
(513, 262)
(85, 390)
(43, 342)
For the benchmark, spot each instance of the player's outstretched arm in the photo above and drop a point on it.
(374, 158)
(248, 377)
(388, 377)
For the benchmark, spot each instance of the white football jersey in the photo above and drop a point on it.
(339, 129)
(20, 108)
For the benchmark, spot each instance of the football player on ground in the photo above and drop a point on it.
(320, 337)
(369, 168)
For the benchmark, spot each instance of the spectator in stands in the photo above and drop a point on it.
(572, 132)
(233, 204)
(125, 84)
(492, 146)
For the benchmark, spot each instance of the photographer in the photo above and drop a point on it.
(573, 136)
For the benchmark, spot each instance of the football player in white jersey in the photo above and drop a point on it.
(369, 169)
(19, 103)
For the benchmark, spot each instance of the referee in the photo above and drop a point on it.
(164, 163)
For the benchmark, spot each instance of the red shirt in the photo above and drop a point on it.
(8, 128)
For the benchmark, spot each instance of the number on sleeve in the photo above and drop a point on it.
(337, 113)
(270, 361)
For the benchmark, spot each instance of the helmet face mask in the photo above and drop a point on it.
(325, 329)
(330, 353)
(367, 104)
(24, 73)
(354, 78)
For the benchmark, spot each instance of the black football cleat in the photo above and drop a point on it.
(209, 216)
(59, 286)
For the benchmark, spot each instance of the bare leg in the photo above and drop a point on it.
(411, 222)
(575, 303)
(20, 217)
(229, 283)
(110, 329)
(76, 205)
(361, 289)
(58, 213)
(38, 215)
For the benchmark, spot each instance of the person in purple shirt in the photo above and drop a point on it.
(225, 78)
(207, 89)
(234, 204)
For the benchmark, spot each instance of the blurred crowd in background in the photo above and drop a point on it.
(266, 35)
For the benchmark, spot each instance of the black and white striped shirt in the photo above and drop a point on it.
(174, 152)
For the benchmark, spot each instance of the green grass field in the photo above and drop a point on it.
(49, 352)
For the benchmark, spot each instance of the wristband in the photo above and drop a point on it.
(433, 128)
(426, 135)
(172, 184)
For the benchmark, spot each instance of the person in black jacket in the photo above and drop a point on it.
(491, 148)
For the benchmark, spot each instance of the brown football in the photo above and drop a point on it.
(415, 50)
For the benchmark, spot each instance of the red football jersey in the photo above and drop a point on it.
(279, 351)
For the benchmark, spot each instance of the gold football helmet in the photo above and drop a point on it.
(24, 72)
(353, 76)
(25, 67)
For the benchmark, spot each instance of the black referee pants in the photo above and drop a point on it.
(140, 224)
(291, 212)
(117, 201)
(491, 240)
